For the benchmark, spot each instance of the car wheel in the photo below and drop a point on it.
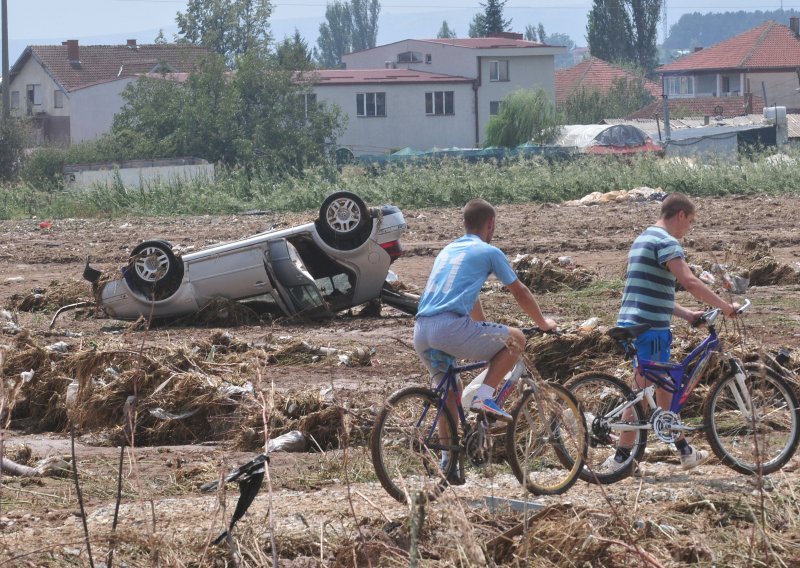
(154, 270)
(343, 220)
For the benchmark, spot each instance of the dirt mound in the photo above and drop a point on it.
(54, 296)
(551, 275)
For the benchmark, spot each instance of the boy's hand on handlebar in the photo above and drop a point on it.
(694, 317)
(732, 310)
(549, 325)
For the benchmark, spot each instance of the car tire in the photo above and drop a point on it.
(154, 270)
(344, 221)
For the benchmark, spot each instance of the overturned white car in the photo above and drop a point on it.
(337, 262)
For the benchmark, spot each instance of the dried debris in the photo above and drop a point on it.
(550, 275)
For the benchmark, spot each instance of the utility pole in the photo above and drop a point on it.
(664, 27)
(6, 94)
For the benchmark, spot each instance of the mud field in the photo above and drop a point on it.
(207, 387)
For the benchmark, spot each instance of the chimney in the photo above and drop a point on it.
(794, 25)
(696, 49)
(73, 51)
(506, 35)
(132, 43)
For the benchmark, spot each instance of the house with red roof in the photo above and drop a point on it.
(741, 75)
(427, 93)
(594, 74)
(72, 92)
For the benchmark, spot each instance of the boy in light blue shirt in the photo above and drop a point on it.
(450, 317)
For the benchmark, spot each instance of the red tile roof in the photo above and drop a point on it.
(701, 106)
(594, 74)
(766, 47)
(350, 76)
(102, 63)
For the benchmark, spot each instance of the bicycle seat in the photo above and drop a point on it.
(439, 359)
(627, 333)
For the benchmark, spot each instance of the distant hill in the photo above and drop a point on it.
(704, 30)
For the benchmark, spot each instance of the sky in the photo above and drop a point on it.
(114, 21)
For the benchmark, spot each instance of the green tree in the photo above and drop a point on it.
(256, 118)
(590, 106)
(365, 23)
(490, 21)
(228, 27)
(524, 116)
(335, 34)
(160, 38)
(445, 32)
(625, 31)
(294, 53)
(14, 136)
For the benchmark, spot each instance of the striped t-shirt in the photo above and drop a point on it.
(649, 294)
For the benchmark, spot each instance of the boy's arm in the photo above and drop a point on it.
(477, 312)
(685, 313)
(685, 277)
(530, 306)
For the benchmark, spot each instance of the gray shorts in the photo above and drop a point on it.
(459, 336)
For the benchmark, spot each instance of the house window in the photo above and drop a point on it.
(14, 99)
(495, 107)
(58, 99)
(309, 102)
(498, 70)
(34, 96)
(409, 57)
(371, 104)
(439, 103)
(428, 58)
(726, 84)
(680, 85)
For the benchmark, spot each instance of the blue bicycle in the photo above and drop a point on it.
(417, 452)
(750, 415)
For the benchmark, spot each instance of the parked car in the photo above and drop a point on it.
(336, 262)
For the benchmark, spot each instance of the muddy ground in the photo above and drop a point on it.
(326, 507)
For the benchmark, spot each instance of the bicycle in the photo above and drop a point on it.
(750, 415)
(414, 427)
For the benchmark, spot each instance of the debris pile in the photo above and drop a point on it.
(51, 298)
(550, 275)
(620, 196)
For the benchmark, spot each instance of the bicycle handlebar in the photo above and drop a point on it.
(710, 316)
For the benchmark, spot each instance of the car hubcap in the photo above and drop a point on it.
(343, 215)
(151, 264)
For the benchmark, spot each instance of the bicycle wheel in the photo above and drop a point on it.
(761, 440)
(601, 397)
(406, 445)
(545, 425)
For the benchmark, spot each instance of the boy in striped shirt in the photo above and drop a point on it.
(655, 262)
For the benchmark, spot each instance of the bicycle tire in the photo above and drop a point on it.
(598, 394)
(406, 461)
(543, 429)
(731, 434)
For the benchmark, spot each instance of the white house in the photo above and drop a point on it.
(432, 92)
(72, 92)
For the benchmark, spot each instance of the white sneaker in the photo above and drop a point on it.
(611, 465)
(695, 458)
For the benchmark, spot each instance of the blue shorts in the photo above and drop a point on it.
(654, 345)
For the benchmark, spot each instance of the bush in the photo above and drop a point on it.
(13, 138)
(43, 169)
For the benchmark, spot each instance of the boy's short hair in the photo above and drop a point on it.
(674, 204)
(476, 214)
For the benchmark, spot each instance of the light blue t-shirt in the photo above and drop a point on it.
(649, 294)
(458, 273)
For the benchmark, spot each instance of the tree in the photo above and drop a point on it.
(13, 140)
(160, 38)
(525, 116)
(228, 27)
(445, 32)
(625, 31)
(590, 106)
(348, 27)
(365, 23)
(256, 118)
(542, 34)
(294, 53)
(490, 21)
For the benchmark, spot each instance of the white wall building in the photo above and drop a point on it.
(72, 92)
(435, 92)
